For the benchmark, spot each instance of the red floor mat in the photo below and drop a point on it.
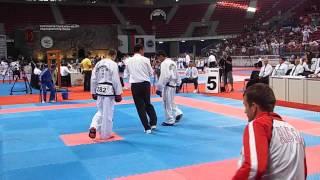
(76, 93)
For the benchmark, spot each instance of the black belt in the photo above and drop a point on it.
(106, 83)
(170, 85)
(143, 82)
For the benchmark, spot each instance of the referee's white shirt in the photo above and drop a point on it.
(139, 69)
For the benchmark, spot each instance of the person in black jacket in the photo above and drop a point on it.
(228, 78)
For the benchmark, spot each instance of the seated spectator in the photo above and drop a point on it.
(306, 35)
(243, 50)
(191, 77)
(281, 69)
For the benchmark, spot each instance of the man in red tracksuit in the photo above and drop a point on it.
(272, 148)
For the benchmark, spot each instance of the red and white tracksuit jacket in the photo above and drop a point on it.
(272, 149)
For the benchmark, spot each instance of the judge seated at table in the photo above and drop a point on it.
(191, 77)
(264, 74)
(65, 75)
(281, 68)
(316, 73)
(306, 67)
(298, 69)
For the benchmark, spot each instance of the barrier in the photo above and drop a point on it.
(76, 79)
(296, 89)
(248, 61)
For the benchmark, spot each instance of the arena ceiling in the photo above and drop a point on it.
(117, 2)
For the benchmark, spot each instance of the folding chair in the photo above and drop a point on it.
(58, 90)
(185, 86)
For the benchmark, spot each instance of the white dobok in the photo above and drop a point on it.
(105, 83)
(168, 82)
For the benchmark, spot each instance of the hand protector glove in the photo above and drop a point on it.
(159, 93)
(118, 98)
(94, 96)
(177, 90)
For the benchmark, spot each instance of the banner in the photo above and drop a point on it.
(158, 13)
(123, 45)
(3, 46)
(58, 27)
(89, 37)
(148, 42)
(127, 42)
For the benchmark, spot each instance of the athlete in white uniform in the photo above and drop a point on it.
(105, 88)
(168, 82)
(180, 62)
(188, 59)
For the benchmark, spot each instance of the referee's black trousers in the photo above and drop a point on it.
(87, 80)
(141, 97)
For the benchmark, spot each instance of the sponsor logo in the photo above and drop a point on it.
(150, 43)
(46, 42)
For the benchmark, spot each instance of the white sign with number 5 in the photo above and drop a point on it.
(213, 80)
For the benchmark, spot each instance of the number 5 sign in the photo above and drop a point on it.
(213, 80)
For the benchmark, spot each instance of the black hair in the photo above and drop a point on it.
(137, 48)
(162, 53)
(262, 95)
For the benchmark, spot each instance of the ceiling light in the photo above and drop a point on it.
(251, 9)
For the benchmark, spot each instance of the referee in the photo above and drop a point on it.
(140, 71)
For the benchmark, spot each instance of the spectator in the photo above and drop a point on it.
(65, 75)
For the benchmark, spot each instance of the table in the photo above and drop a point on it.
(76, 79)
(296, 89)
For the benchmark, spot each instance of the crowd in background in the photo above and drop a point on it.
(292, 36)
